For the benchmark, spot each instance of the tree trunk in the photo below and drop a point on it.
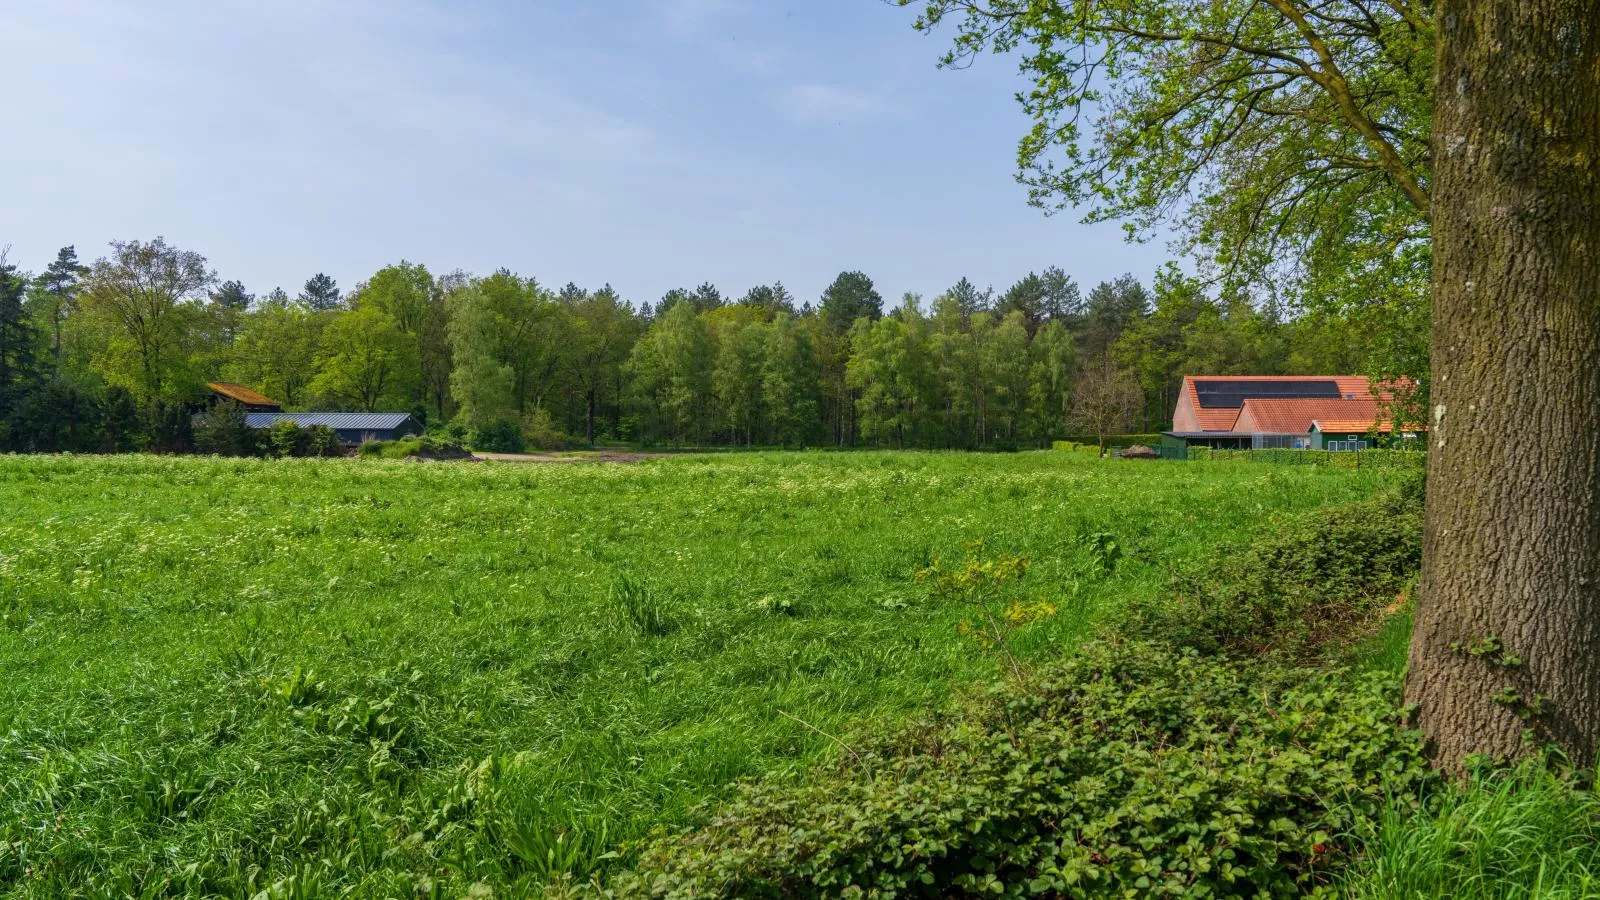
(588, 429)
(1506, 652)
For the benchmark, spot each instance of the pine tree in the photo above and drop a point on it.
(59, 288)
(320, 293)
(231, 295)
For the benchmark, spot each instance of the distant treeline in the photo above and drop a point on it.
(115, 355)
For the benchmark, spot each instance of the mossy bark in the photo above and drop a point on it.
(1506, 652)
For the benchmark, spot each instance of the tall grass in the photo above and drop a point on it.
(373, 678)
(1524, 834)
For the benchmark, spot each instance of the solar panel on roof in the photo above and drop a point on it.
(1232, 394)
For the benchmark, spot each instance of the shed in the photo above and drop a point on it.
(352, 428)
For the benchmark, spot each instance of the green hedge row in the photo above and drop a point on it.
(1359, 459)
(1075, 447)
(1114, 440)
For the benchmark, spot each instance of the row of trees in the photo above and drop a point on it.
(116, 354)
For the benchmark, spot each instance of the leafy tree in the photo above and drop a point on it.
(529, 333)
(1288, 139)
(955, 356)
(671, 367)
(366, 362)
(1052, 360)
(790, 382)
(321, 293)
(482, 382)
(1003, 371)
(147, 294)
(891, 368)
(602, 331)
(276, 350)
(408, 295)
(737, 374)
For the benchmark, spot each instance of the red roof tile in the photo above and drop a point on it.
(1296, 416)
(1226, 419)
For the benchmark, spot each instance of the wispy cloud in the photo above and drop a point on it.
(814, 103)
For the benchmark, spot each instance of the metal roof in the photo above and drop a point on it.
(336, 421)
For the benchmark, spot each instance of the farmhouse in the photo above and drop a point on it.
(1307, 412)
(352, 428)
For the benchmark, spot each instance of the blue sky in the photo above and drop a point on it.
(648, 143)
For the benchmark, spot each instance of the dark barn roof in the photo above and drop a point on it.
(336, 421)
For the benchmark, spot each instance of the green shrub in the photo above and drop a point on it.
(321, 440)
(1199, 454)
(221, 431)
(1309, 581)
(425, 446)
(286, 438)
(1075, 447)
(498, 437)
(1129, 770)
(540, 432)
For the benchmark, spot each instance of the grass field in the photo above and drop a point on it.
(393, 679)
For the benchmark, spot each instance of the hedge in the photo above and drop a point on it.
(1337, 459)
(1115, 440)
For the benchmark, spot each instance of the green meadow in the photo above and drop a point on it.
(381, 678)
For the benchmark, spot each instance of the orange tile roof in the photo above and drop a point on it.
(242, 394)
(1226, 419)
(1296, 416)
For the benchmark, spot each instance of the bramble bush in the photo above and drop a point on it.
(1318, 578)
(1198, 760)
(1131, 768)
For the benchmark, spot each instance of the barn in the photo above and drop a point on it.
(1301, 412)
(352, 428)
